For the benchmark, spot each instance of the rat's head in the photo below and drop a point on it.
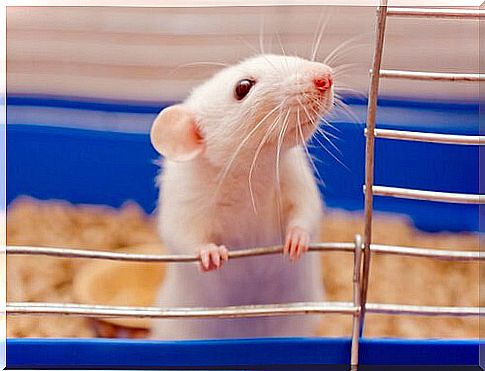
(269, 101)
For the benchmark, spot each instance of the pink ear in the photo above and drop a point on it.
(174, 134)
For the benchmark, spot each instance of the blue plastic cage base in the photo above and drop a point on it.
(281, 353)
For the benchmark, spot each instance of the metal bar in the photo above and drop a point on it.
(266, 310)
(449, 255)
(431, 76)
(354, 355)
(108, 255)
(429, 137)
(316, 247)
(102, 311)
(423, 310)
(416, 194)
(369, 150)
(436, 13)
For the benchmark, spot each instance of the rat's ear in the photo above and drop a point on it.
(174, 134)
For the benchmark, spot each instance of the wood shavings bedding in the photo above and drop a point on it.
(393, 279)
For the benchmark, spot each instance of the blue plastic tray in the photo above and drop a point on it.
(289, 354)
(100, 167)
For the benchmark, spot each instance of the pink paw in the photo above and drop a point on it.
(212, 257)
(297, 243)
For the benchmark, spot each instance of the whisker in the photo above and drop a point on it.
(326, 138)
(240, 146)
(279, 202)
(256, 155)
(312, 159)
(280, 43)
(203, 63)
(342, 88)
(330, 152)
(320, 130)
(248, 44)
(342, 45)
(257, 52)
(346, 66)
(348, 112)
(324, 135)
(193, 64)
(263, 54)
(320, 117)
(316, 45)
(261, 32)
(324, 132)
(344, 52)
(347, 74)
(280, 142)
(283, 51)
(304, 143)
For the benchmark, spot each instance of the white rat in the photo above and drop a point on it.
(235, 176)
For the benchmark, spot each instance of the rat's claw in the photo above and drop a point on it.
(204, 259)
(296, 243)
(212, 257)
(215, 257)
(303, 245)
(224, 253)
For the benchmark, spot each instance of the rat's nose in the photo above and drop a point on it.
(323, 83)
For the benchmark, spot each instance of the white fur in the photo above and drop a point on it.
(196, 208)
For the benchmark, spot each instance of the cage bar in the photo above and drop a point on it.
(416, 252)
(346, 247)
(431, 76)
(436, 13)
(369, 150)
(263, 310)
(429, 137)
(104, 311)
(354, 351)
(416, 194)
(424, 310)
(60, 252)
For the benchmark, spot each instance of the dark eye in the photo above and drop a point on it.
(243, 87)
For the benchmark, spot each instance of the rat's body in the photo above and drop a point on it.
(219, 196)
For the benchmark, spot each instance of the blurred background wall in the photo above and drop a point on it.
(133, 53)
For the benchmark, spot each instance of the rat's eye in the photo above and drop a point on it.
(243, 87)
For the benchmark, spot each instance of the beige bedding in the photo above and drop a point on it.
(393, 279)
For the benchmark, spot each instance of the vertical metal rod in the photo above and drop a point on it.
(354, 355)
(369, 151)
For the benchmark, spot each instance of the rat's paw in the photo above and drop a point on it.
(296, 243)
(212, 257)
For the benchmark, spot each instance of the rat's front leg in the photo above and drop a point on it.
(198, 238)
(302, 204)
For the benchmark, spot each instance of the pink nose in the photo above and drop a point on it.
(323, 83)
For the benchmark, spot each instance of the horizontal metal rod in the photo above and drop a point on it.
(122, 256)
(435, 13)
(431, 76)
(424, 310)
(429, 137)
(415, 194)
(330, 247)
(267, 310)
(450, 255)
